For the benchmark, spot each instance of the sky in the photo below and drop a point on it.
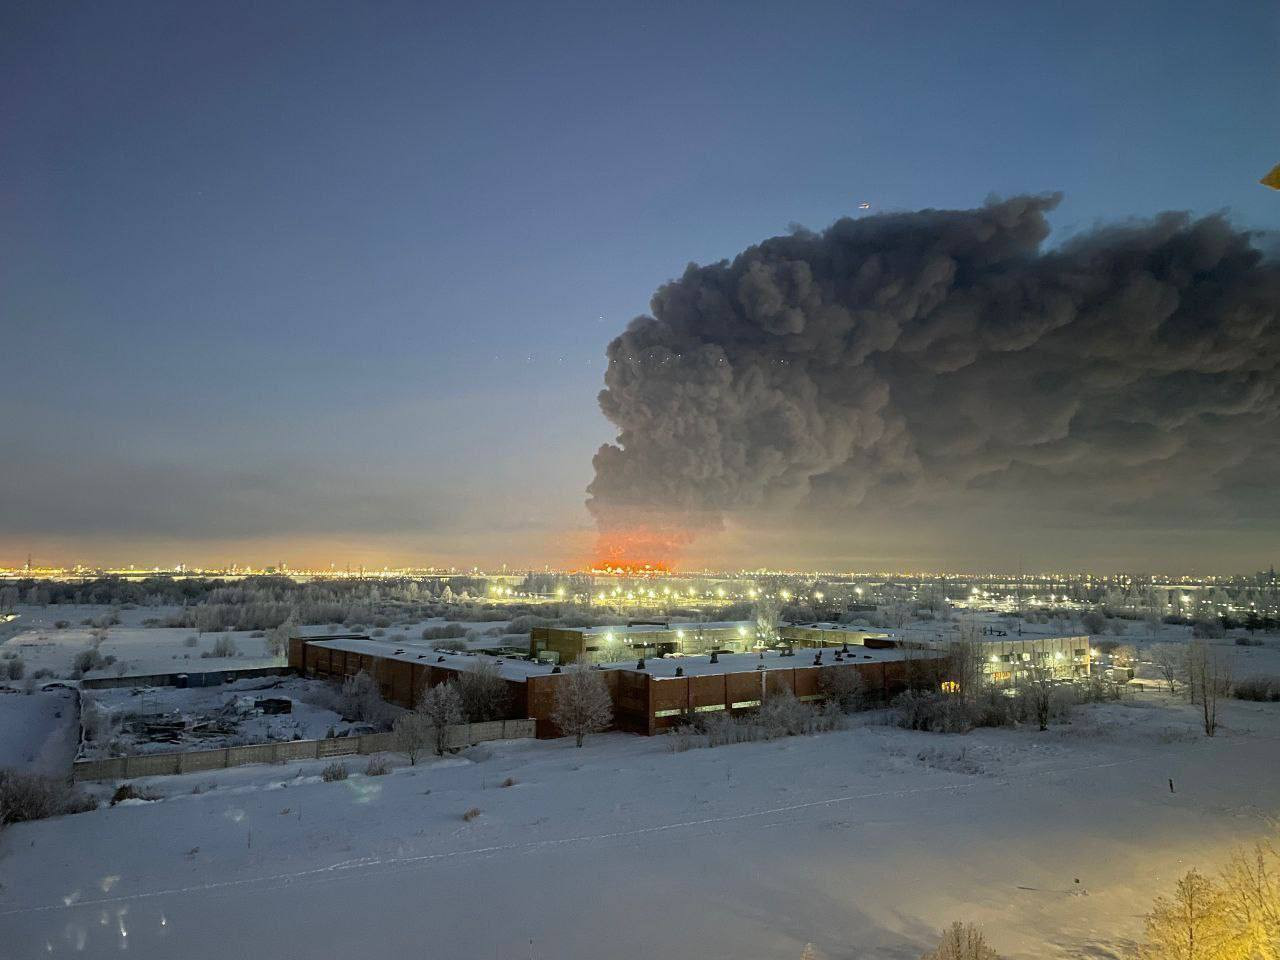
(332, 283)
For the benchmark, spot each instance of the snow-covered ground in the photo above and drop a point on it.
(36, 638)
(39, 730)
(862, 842)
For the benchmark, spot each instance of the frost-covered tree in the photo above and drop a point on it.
(582, 703)
(1193, 924)
(844, 685)
(439, 708)
(1251, 883)
(766, 613)
(278, 638)
(962, 941)
(412, 735)
(361, 699)
(485, 694)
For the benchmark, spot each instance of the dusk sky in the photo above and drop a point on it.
(335, 282)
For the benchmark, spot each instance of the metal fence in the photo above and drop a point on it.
(192, 761)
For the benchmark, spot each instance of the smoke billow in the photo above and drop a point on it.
(942, 359)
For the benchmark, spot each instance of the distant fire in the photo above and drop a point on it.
(637, 552)
(631, 570)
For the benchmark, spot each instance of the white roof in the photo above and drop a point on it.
(700, 665)
(512, 669)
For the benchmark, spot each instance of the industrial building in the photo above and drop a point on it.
(645, 700)
(653, 638)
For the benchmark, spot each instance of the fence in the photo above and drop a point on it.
(192, 761)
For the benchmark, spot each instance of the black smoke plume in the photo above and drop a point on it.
(944, 360)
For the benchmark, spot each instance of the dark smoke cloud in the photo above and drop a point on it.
(941, 360)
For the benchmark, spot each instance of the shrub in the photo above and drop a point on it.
(1263, 689)
(127, 791)
(190, 641)
(1093, 621)
(32, 796)
(444, 632)
(449, 646)
(361, 700)
(224, 647)
(782, 715)
(485, 694)
(935, 712)
(509, 782)
(471, 814)
(87, 660)
(1250, 642)
(16, 668)
(843, 685)
(377, 767)
(333, 772)
(962, 941)
(61, 624)
(1207, 629)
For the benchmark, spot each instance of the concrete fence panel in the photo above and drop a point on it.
(376, 742)
(197, 761)
(151, 765)
(297, 749)
(337, 747)
(193, 761)
(252, 753)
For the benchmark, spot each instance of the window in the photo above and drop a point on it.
(667, 713)
(742, 704)
(709, 708)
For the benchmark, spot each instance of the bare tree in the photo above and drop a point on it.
(1209, 677)
(412, 734)
(1170, 663)
(1036, 687)
(439, 708)
(485, 694)
(582, 702)
(965, 663)
(962, 941)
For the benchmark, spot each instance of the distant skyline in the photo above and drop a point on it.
(326, 283)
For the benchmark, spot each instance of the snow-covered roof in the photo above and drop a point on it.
(693, 665)
(700, 665)
(512, 669)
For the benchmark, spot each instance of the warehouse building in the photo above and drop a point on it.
(645, 700)
(652, 638)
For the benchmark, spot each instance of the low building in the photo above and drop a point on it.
(646, 700)
(609, 644)
(831, 635)
(1007, 660)
(637, 639)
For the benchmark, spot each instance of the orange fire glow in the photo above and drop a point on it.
(636, 552)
